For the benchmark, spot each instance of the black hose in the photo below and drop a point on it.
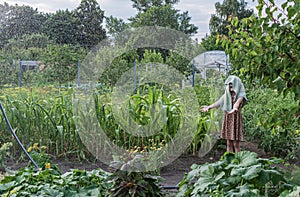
(170, 187)
(16, 137)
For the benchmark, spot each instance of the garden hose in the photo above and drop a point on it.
(16, 137)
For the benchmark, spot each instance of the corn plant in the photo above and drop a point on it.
(141, 107)
(45, 116)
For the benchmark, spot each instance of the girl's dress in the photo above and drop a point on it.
(232, 127)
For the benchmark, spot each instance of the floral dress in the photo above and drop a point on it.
(232, 127)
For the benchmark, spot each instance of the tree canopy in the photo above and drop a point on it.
(144, 5)
(162, 13)
(89, 18)
(61, 27)
(219, 21)
(268, 51)
(224, 12)
(16, 21)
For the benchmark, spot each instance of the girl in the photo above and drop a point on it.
(231, 102)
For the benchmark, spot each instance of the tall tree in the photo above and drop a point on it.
(224, 12)
(61, 27)
(19, 20)
(144, 5)
(4, 12)
(115, 25)
(219, 21)
(161, 13)
(89, 20)
(267, 52)
(27, 41)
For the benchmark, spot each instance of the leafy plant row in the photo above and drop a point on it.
(240, 174)
(49, 181)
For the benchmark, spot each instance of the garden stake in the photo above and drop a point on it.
(16, 137)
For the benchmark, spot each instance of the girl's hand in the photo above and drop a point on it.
(205, 108)
(232, 111)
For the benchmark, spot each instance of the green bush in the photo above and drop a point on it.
(271, 119)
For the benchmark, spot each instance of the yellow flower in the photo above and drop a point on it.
(135, 151)
(29, 149)
(15, 190)
(44, 147)
(47, 165)
(35, 146)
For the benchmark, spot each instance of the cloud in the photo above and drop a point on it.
(47, 5)
(117, 8)
(200, 11)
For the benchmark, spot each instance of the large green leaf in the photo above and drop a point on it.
(206, 179)
(274, 176)
(238, 171)
(246, 158)
(243, 191)
(252, 172)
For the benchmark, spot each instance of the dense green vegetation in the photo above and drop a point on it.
(240, 174)
(264, 53)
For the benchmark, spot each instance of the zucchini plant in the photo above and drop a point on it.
(240, 174)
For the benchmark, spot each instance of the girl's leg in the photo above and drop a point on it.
(230, 146)
(236, 145)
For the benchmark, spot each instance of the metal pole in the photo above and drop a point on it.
(78, 73)
(20, 76)
(193, 74)
(134, 70)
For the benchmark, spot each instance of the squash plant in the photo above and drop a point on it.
(132, 180)
(49, 182)
(240, 174)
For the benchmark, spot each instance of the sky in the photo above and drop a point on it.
(199, 10)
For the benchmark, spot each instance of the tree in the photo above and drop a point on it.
(218, 22)
(267, 51)
(61, 27)
(61, 62)
(115, 25)
(144, 5)
(89, 18)
(161, 13)
(28, 41)
(209, 43)
(224, 13)
(4, 12)
(18, 21)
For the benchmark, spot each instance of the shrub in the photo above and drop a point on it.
(272, 118)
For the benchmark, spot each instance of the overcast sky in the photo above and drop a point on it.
(199, 10)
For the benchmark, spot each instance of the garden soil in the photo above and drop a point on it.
(171, 174)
